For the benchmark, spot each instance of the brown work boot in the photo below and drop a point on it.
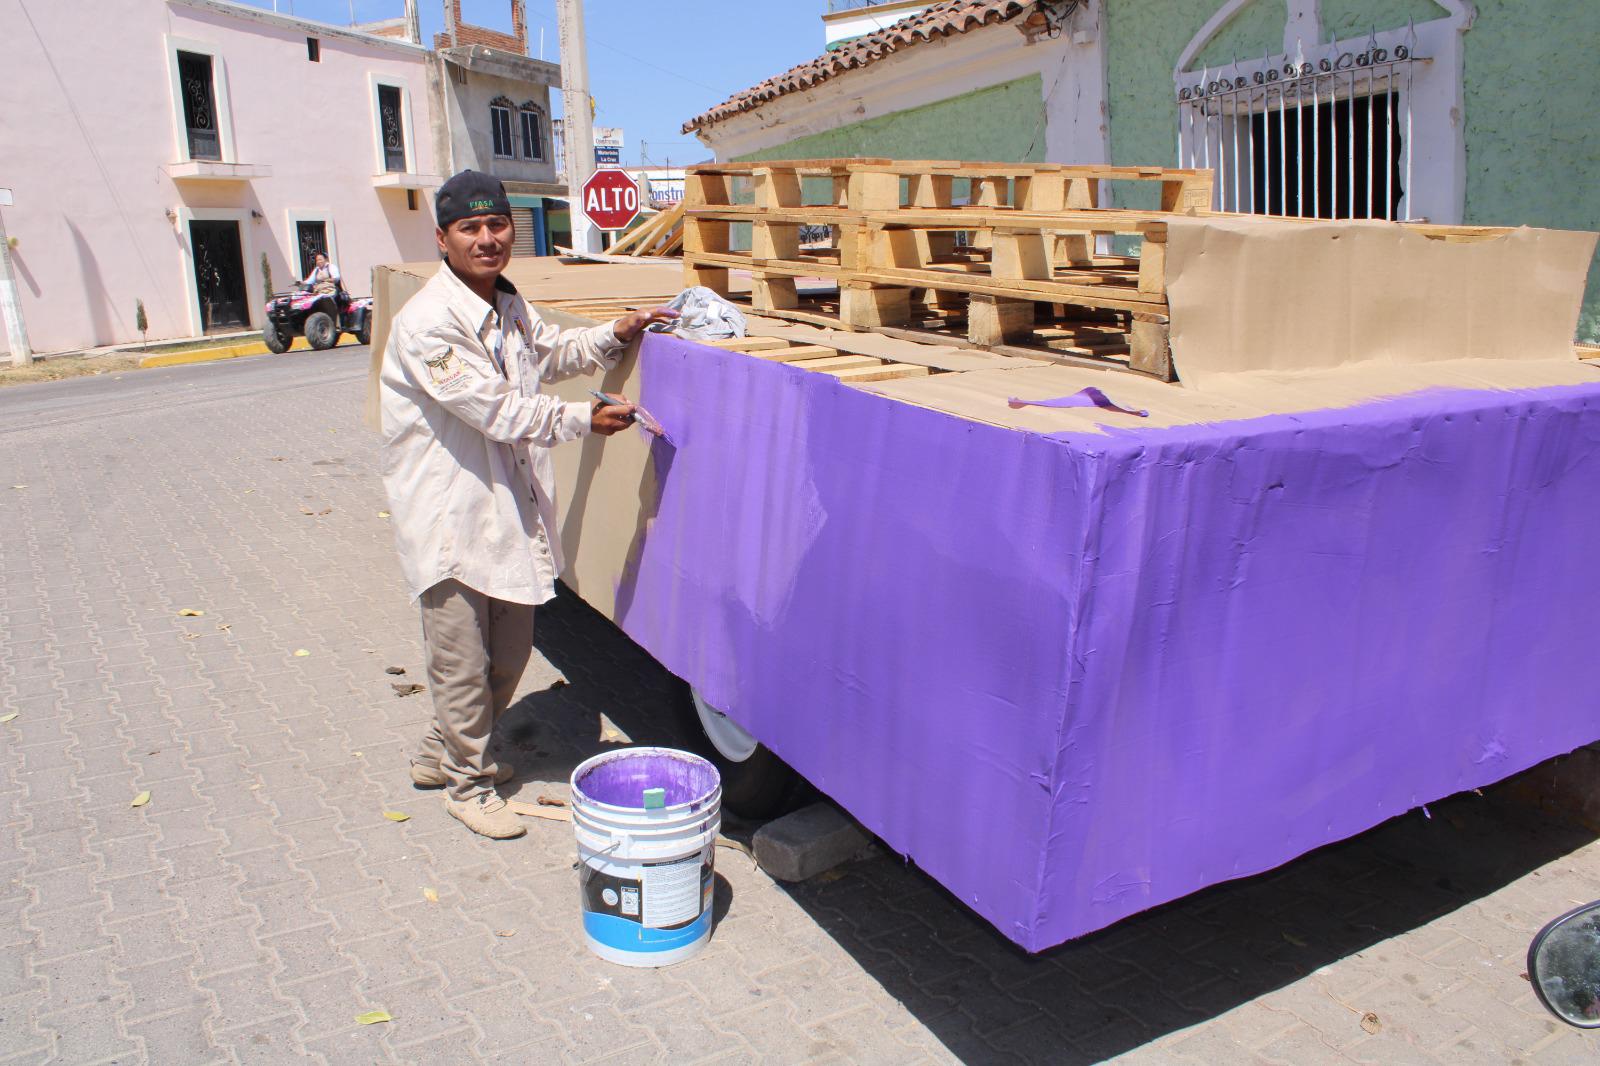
(487, 815)
(426, 775)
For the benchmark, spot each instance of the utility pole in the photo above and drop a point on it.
(10, 305)
(577, 121)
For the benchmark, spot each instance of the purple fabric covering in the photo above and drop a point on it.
(1088, 397)
(1074, 677)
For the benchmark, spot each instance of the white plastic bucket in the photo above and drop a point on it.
(645, 874)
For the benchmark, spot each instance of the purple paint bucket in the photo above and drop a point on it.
(645, 873)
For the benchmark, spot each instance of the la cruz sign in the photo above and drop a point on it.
(611, 199)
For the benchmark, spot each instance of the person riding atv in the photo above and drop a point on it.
(318, 308)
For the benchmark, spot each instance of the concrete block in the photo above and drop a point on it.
(807, 842)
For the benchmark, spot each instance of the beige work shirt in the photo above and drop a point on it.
(467, 436)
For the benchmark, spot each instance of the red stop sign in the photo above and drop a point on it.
(611, 199)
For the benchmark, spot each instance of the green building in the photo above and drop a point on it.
(1447, 110)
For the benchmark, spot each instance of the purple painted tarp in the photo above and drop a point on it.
(1076, 676)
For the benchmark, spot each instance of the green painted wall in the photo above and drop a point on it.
(1352, 18)
(1532, 99)
(1255, 31)
(1003, 123)
(1531, 149)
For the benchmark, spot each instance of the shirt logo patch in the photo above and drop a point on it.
(446, 371)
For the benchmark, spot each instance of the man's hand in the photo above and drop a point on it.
(633, 323)
(609, 418)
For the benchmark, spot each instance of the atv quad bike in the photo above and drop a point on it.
(319, 316)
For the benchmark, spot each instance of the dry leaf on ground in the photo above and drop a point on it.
(383, 514)
(505, 932)
(140, 800)
(394, 670)
(373, 1017)
(1370, 1022)
(4, 718)
(430, 895)
(407, 690)
(551, 801)
(306, 510)
(300, 653)
(397, 816)
(190, 612)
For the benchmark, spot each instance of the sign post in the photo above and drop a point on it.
(611, 199)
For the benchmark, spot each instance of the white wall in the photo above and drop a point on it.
(91, 132)
(1071, 69)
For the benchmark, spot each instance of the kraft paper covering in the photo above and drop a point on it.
(1260, 294)
(1071, 673)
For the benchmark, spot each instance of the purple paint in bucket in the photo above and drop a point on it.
(646, 873)
(622, 779)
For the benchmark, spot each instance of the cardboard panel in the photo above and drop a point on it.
(1261, 294)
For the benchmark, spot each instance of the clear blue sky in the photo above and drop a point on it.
(651, 66)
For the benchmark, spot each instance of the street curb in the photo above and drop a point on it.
(231, 351)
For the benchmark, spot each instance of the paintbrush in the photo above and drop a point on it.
(640, 417)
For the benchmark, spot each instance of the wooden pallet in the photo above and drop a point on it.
(661, 235)
(820, 358)
(900, 238)
(902, 245)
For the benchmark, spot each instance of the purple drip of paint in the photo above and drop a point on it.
(622, 781)
(1088, 397)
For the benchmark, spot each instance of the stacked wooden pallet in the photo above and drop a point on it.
(903, 251)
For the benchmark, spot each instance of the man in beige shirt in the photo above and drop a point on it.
(466, 463)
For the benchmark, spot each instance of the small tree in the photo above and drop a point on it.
(266, 279)
(140, 321)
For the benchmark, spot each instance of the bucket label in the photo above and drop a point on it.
(665, 896)
(671, 893)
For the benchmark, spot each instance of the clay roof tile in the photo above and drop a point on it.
(935, 23)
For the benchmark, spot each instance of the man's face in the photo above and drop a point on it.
(478, 248)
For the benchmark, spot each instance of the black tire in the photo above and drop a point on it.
(278, 340)
(320, 331)
(760, 787)
(364, 334)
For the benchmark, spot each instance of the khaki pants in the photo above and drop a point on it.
(476, 649)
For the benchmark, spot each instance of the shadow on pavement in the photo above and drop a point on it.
(1109, 992)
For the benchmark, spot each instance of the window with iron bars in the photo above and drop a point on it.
(1307, 138)
(500, 127)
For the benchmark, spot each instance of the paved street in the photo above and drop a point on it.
(261, 899)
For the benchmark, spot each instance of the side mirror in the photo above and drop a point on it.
(1564, 967)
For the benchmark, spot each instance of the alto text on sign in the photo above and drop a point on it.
(611, 199)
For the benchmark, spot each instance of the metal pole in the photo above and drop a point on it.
(11, 306)
(578, 124)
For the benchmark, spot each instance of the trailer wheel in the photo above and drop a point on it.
(756, 783)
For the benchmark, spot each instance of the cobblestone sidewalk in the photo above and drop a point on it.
(261, 899)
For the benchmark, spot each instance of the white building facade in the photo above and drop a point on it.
(190, 156)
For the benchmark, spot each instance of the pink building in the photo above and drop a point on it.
(175, 151)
